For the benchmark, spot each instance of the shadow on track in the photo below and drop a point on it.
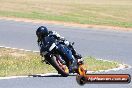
(49, 75)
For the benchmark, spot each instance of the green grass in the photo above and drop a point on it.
(17, 62)
(94, 64)
(98, 12)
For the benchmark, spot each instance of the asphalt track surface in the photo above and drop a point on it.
(105, 44)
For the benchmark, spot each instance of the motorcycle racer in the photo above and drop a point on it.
(42, 32)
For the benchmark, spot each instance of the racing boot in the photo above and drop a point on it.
(79, 58)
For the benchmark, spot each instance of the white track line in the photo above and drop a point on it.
(18, 49)
(121, 67)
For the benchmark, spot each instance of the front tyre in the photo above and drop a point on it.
(59, 66)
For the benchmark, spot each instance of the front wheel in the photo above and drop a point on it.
(59, 66)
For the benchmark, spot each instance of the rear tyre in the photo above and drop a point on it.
(60, 67)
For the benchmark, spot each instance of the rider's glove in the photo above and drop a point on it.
(66, 42)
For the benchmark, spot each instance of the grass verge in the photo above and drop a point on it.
(98, 12)
(15, 62)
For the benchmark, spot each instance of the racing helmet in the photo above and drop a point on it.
(41, 32)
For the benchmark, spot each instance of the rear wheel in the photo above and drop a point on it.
(60, 66)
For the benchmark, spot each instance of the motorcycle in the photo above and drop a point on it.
(59, 56)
